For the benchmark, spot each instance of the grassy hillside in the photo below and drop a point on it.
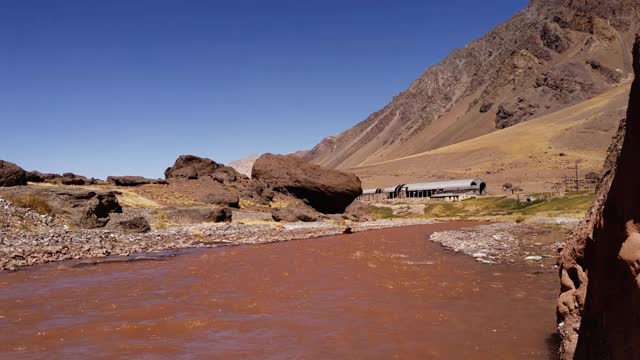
(573, 205)
(532, 155)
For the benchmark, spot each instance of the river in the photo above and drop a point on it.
(383, 294)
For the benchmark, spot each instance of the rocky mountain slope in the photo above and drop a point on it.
(534, 155)
(244, 165)
(551, 55)
(600, 264)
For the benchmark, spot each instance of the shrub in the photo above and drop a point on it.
(30, 201)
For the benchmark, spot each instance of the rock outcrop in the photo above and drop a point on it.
(133, 181)
(600, 264)
(294, 214)
(78, 207)
(11, 174)
(328, 191)
(197, 215)
(194, 167)
(69, 178)
(136, 225)
(222, 198)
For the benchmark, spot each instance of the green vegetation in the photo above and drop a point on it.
(381, 212)
(492, 207)
(571, 205)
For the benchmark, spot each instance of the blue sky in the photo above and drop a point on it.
(125, 86)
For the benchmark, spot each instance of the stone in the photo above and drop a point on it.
(134, 181)
(222, 198)
(293, 214)
(136, 225)
(194, 167)
(11, 174)
(198, 214)
(599, 265)
(326, 190)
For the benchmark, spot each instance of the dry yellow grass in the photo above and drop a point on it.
(29, 201)
(160, 221)
(527, 154)
(135, 200)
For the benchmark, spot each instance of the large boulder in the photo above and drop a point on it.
(11, 174)
(133, 181)
(222, 198)
(326, 190)
(294, 214)
(38, 177)
(194, 167)
(86, 209)
(599, 304)
(197, 215)
(78, 207)
(136, 225)
(69, 178)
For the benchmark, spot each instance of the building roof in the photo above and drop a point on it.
(369, 191)
(391, 189)
(446, 185)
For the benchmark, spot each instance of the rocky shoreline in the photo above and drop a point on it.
(507, 242)
(47, 241)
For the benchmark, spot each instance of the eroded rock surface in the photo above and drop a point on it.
(11, 174)
(78, 207)
(194, 167)
(598, 306)
(328, 191)
(134, 181)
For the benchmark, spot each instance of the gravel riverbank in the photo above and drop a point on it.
(507, 242)
(27, 238)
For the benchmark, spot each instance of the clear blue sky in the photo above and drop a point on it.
(114, 87)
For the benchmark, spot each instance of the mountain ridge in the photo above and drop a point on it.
(550, 55)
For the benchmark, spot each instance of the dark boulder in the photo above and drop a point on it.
(11, 174)
(77, 207)
(194, 167)
(136, 225)
(134, 181)
(38, 177)
(86, 209)
(326, 190)
(222, 198)
(70, 179)
(225, 174)
(197, 215)
(34, 177)
(293, 214)
(553, 39)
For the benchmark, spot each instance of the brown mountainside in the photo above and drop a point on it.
(551, 55)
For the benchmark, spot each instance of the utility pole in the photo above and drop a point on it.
(577, 181)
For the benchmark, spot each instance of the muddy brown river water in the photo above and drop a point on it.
(384, 294)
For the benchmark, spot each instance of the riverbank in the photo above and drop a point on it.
(45, 241)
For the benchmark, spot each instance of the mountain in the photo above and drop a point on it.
(547, 57)
(534, 155)
(244, 166)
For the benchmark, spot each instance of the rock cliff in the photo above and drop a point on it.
(600, 265)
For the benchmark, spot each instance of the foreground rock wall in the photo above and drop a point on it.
(598, 308)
